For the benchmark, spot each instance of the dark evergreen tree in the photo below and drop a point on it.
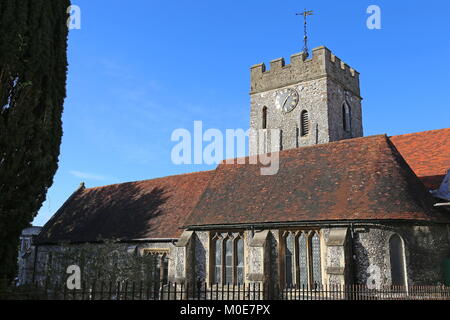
(33, 70)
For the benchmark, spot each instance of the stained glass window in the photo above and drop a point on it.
(218, 262)
(316, 265)
(289, 260)
(303, 260)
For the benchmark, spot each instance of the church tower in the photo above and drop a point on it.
(311, 101)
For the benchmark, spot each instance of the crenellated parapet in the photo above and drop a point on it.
(322, 64)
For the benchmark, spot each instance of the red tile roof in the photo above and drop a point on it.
(128, 211)
(427, 153)
(357, 179)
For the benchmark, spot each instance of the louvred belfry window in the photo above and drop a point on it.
(304, 123)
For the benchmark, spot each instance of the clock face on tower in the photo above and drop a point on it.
(286, 100)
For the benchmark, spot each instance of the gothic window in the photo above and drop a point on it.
(218, 261)
(302, 259)
(397, 258)
(264, 118)
(228, 260)
(240, 261)
(315, 259)
(289, 260)
(304, 123)
(160, 264)
(346, 117)
(228, 255)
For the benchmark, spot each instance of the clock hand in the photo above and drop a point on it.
(285, 100)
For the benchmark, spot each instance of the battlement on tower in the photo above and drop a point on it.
(322, 64)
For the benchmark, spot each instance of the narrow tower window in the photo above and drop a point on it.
(346, 117)
(281, 140)
(264, 118)
(304, 123)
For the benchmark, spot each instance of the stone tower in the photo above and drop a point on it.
(311, 101)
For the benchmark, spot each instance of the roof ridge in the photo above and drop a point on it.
(152, 179)
(420, 132)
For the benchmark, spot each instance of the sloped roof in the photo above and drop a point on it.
(427, 153)
(127, 211)
(357, 179)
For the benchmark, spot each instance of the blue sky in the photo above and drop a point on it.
(139, 69)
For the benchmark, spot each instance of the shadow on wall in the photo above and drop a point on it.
(200, 260)
(361, 263)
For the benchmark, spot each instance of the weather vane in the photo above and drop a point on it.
(305, 14)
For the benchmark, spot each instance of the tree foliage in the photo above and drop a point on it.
(33, 69)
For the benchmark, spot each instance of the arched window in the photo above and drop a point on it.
(159, 264)
(304, 123)
(315, 259)
(346, 117)
(289, 260)
(240, 261)
(397, 257)
(264, 118)
(228, 261)
(303, 260)
(218, 261)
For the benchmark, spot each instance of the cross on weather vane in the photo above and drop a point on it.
(305, 14)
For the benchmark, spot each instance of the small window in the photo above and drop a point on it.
(346, 117)
(281, 139)
(264, 118)
(304, 123)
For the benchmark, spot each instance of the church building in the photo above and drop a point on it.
(342, 207)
